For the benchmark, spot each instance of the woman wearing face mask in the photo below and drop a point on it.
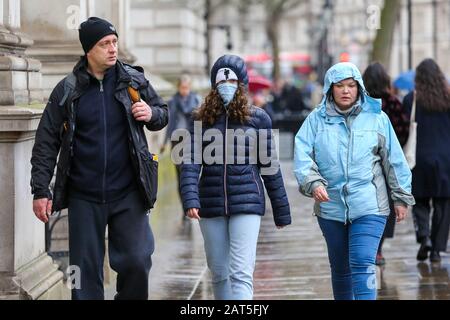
(346, 152)
(228, 199)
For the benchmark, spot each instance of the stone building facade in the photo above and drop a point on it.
(351, 27)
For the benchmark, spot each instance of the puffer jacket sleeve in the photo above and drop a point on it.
(305, 168)
(271, 174)
(47, 144)
(190, 171)
(395, 168)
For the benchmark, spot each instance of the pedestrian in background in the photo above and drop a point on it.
(346, 152)
(181, 106)
(378, 85)
(228, 198)
(431, 175)
(260, 100)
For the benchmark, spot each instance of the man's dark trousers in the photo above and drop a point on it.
(131, 245)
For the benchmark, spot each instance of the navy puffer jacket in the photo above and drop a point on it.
(234, 186)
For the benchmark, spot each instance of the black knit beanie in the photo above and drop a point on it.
(94, 29)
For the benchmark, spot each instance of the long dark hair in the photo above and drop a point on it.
(377, 81)
(212, 108)
(432, 89)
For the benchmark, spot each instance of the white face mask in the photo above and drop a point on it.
(227, 91)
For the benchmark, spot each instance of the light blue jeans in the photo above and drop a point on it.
(230, 247)
(352, 249)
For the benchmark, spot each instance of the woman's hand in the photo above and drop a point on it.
(193, 213)
(320, 194)
(401, 212)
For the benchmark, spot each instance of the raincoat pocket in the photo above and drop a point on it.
(326, 148)
(364, 146)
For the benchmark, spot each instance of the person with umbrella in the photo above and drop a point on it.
(405, 81)
(257, 87)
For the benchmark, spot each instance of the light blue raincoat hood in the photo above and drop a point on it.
(345, 70)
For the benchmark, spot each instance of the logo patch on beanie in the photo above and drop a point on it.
(225, 74)
(112, 28)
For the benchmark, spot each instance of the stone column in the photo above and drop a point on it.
(54, 29)
(26, 271)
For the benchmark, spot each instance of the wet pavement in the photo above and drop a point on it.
(291, 263)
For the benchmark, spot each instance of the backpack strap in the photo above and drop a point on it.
(133, 70)
(69, 87)
(137, 76)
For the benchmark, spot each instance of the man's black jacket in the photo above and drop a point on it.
(56, 130)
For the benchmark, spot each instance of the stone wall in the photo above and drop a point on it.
(167, 37)
(26, 271)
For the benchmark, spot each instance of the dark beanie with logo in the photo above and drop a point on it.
(93, 30)
(235, 63)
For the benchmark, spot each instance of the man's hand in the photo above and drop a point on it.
(193, 213)
(42, 209)
(320, 194)
(141, 111)
(401, 212)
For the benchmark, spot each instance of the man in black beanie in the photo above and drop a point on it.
(106, 176)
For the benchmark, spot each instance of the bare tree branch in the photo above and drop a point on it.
(383, 42)
(289, 5)
(275, 10)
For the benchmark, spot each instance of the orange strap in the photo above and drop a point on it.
(134, 94)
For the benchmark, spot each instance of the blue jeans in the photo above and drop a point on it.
(230, 246)
(352, 250)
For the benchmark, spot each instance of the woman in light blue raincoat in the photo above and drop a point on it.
(345, 153)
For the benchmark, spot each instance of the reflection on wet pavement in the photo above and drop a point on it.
(291, 263)
(179, 260)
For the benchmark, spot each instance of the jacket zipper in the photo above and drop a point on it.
(105, 154)
(225, 166)
(72, 124)
(346, 175)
